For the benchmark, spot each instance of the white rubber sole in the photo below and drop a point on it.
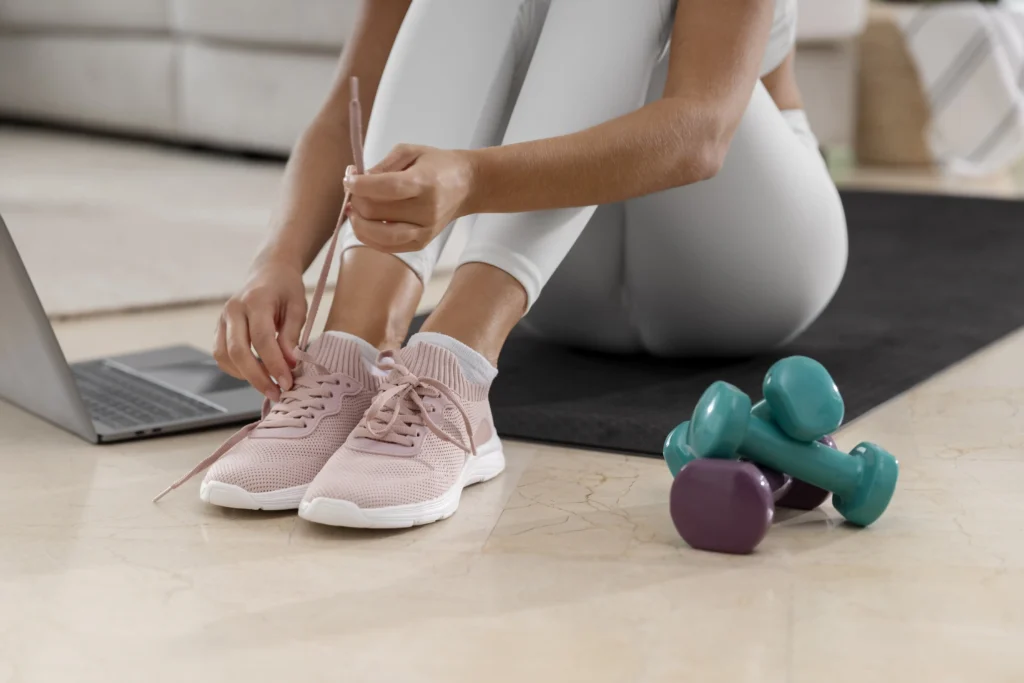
(488, 463)
(231, 496)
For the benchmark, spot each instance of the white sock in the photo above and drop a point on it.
(476, 368)
(367, 350)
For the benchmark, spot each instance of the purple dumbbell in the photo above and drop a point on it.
(725, 506)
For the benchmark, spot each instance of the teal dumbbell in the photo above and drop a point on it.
(678, 455)
(862, 482)
(798, 495)
(801, 495)
(676, 449)
(801, 398)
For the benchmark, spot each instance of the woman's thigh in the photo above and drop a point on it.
(745, 261)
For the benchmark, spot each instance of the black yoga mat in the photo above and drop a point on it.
(931, 279)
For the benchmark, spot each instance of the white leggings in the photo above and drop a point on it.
(738, 264)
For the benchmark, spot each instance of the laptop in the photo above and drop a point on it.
(173, 389)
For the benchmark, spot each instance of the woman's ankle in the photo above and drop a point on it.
(375, 299)
(479, 309)
(373, 335)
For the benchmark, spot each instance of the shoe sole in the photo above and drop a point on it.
(488, 463)
(231, 496)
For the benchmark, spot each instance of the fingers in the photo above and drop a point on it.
(291, 328)
(263, 333)
(387, 210)
(239, 348)
(413, 211)
(387, 187)
(399, 158)
(393, 238)
(220, 351)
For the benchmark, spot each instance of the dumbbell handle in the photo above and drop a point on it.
(814, 463)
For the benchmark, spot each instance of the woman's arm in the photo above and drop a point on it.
(312, 193)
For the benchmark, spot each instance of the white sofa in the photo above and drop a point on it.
(248, 74)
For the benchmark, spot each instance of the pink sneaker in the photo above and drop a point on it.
(268, 465)
(427, 435)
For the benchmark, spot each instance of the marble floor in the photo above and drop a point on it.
(566, 568)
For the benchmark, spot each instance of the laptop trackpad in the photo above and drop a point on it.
(195, 372)
(197, 377)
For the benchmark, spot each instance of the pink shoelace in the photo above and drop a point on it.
(398, 412)
(304, 400)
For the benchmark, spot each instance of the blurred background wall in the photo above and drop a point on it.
(248, 74)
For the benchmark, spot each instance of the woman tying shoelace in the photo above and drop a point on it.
(633, 177)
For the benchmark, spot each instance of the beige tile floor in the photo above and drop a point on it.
(566, 568)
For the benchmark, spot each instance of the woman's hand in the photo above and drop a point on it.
(267, 314)
(402, 204)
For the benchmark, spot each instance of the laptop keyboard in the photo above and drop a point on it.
(122, 400)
